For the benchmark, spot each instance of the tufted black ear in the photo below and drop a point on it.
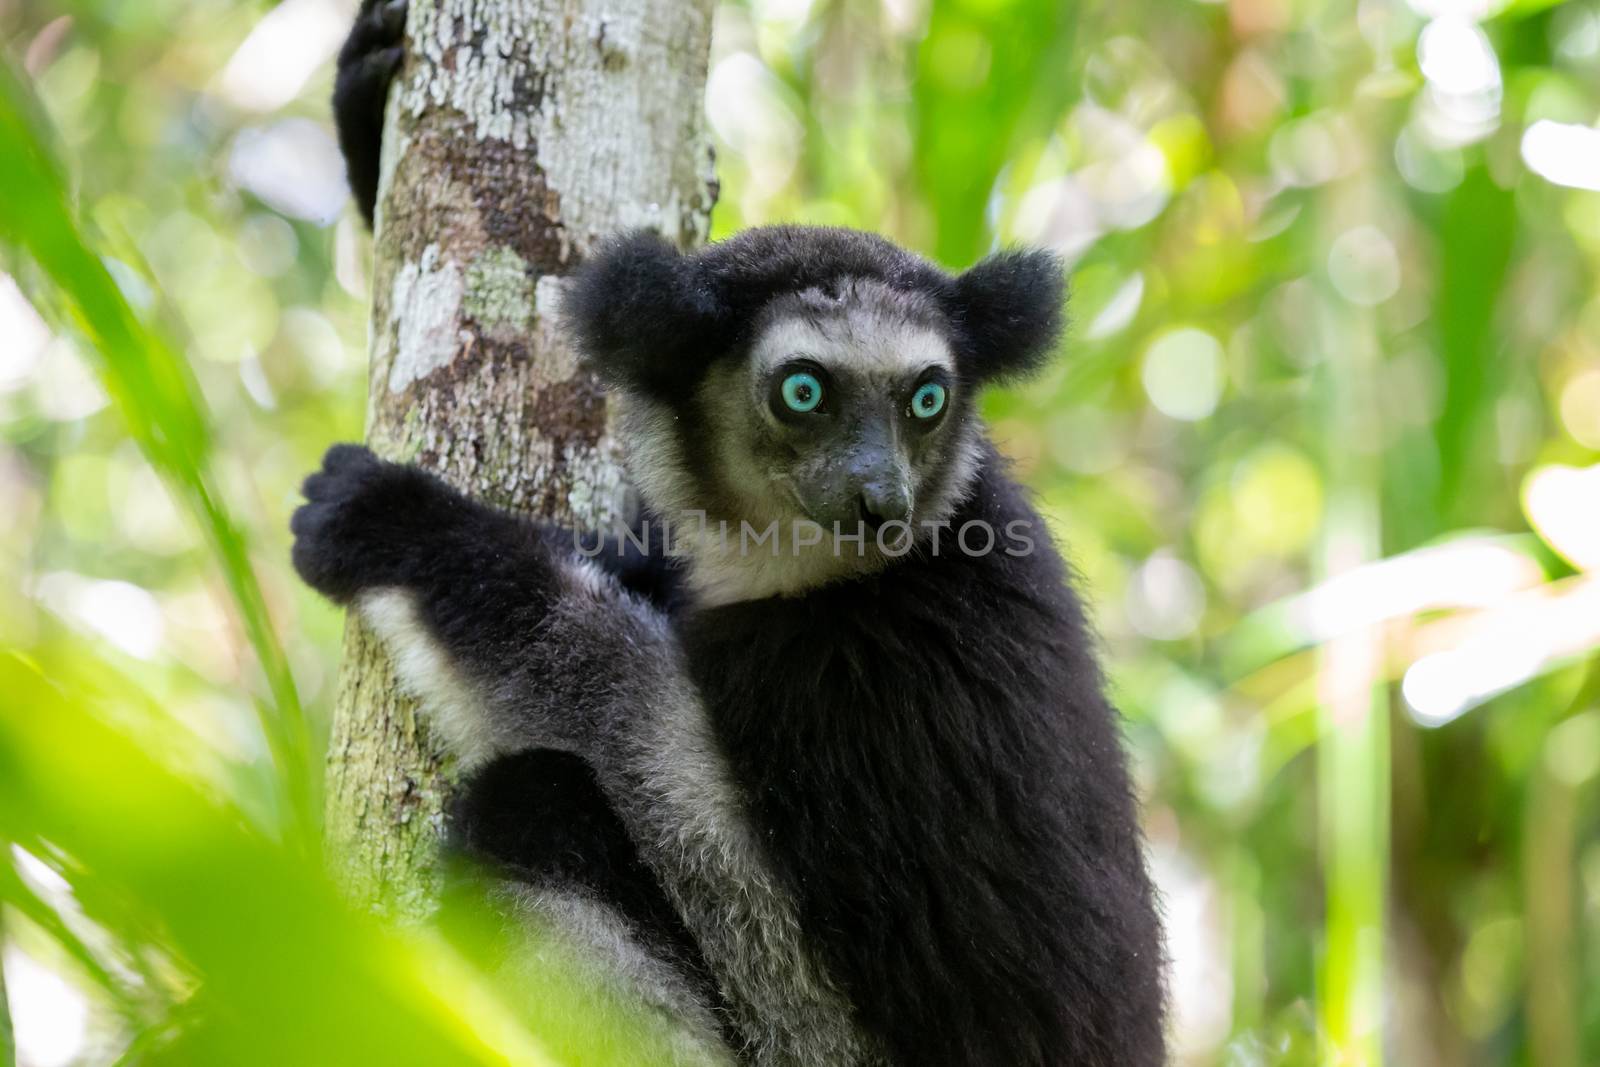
(636, 316)
(1009, 311)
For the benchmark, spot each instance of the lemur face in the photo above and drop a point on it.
(798, 374)
(847, 409)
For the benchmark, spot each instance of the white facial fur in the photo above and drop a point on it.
(866, 329)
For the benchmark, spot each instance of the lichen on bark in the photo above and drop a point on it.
(520, 133)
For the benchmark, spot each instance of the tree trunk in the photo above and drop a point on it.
(519, 133)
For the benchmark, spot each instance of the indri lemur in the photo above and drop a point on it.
(817, 802)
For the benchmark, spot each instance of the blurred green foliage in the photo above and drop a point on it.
(157, 398)
(1324, 446)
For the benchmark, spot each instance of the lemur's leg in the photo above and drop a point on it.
(540, 649)
(367, 65)
(565, 873)
(540, 818)
(563, 956)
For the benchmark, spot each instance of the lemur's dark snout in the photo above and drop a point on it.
(882, 502)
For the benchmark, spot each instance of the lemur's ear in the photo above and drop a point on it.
(634, 312)
(1009, 311)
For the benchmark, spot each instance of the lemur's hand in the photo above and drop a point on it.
(371, 56)
(368, 523)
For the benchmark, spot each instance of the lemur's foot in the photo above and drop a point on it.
(366, 523)
(371, 57)
(381, 24)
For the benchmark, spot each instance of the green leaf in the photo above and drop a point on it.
(288, 973)
(1477, 231)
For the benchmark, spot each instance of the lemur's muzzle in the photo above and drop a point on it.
(884, 500)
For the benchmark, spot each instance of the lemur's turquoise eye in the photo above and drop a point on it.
(802, 392)
(928, 401)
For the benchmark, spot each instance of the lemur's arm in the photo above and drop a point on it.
(367, 65)
(513, 642)
(408, 506)
(486, 589)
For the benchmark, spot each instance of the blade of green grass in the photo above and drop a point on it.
(8, 1045)
(155, 393)
(1352, 752)
(1477, 231)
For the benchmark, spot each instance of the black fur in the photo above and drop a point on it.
(367, 64)
(1008, 310)
(926, 753)
(639, 562)
(943, 786)
(539, 817)
(638, 314)
(929, 758)
(367, 523)
(650, 318)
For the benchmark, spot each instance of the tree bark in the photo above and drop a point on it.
(519, 133)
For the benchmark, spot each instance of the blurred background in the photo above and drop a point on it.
(1324, 446)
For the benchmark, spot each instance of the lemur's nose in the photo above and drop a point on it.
(885, 501)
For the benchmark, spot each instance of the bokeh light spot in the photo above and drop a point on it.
(1183, 373)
